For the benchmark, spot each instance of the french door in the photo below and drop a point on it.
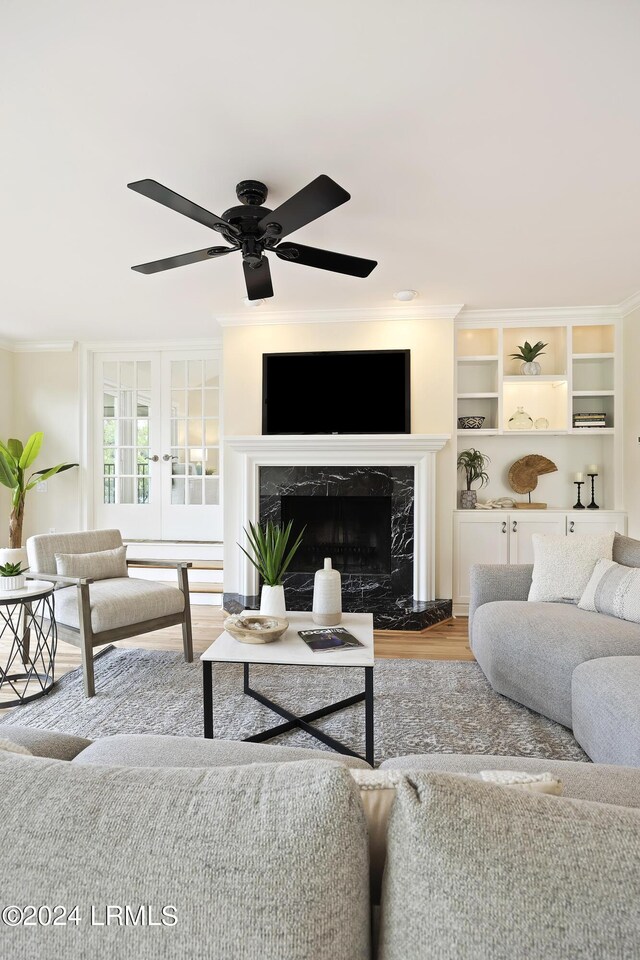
(157, 445)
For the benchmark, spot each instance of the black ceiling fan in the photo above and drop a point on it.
(253, 230)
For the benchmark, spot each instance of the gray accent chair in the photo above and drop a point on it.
(93, 612)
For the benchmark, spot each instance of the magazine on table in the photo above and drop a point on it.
(326, 639)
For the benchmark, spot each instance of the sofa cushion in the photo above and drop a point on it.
(581, 781)
(528, 651)
(8, 746)
(119, 602)
(562, 565)
(102, 565)
(43, 743)
(479, 872)
(259, 862)
(147, 750)
(626, 550)
(605, 698)
(42, 549)
(613, 589)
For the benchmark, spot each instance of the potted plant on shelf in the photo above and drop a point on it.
(15, 460)
(529, 366)
(472, 463)
(12, 576)
(270, 557)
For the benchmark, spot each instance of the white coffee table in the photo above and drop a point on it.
(290, 650)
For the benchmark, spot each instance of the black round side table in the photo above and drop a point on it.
(28, 633)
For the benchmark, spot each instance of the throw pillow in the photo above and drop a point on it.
(562, 565)
(613, 589)
(626, 550)
(7, 746)
(477, 872)
(102, 565)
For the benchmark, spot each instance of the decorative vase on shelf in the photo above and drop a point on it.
(468, 499)
(327, 596)
(542, 423)
(272, 601)
(520, 420)
(531, 369)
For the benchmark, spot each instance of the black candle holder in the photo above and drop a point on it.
(593, 505)
(578, 505)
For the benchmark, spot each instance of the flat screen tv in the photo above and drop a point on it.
(355, 391)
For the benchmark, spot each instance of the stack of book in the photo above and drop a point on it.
(589, 420)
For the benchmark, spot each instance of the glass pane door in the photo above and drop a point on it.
(126, 465)
(191, 479)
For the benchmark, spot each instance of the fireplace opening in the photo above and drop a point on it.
(354, 531)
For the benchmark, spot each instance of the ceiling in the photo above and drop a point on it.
(492, 150)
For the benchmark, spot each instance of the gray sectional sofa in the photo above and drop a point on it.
(182, 848)
(578, 668)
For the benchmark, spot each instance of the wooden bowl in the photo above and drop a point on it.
(255, 628)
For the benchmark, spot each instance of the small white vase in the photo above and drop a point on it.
(531, 369)
(13, 555)
(272, 601)
(327, 596)
(13, 583)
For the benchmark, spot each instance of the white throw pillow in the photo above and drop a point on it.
(614, 590)
(562, 565)
(101, 565)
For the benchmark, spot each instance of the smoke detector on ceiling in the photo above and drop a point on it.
(405, 295)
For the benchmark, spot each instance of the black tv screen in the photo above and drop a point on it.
(356, 391)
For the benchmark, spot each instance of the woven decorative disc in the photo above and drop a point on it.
(524, 473)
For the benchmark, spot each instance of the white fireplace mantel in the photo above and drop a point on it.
(244, 455)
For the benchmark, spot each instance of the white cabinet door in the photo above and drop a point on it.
(592, 522)
(521, 528)
(478, 538)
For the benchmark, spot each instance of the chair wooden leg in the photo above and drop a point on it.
(86, 640)
(187, 636)
(26, 632)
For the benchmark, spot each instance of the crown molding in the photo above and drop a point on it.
(256, 317)
(145, 346)
(526, 315)
(37, 346)
(630, 304)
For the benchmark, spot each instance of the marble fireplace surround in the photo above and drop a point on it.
(244, 456)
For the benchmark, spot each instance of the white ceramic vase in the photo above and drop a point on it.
(272, 601)
(327, 596)
(13, 555)
(531, 369)
(13, 583)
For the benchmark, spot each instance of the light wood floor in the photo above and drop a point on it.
(445, 641)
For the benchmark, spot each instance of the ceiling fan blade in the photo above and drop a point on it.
(258, 280)
(168, 198)
(156, 266)
(325, 259)
(317, 198)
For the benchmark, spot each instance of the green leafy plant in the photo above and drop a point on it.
(12, 569)
(269, 550)
(529, 353)
(15, 460)
(473, 464)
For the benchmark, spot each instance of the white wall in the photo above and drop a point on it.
(48, 400)
(631, 353)
(6, 427)
(431, 345)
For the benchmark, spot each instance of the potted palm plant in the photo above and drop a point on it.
(15, 460)
(527, 353)
(472, 463)
(271, 555)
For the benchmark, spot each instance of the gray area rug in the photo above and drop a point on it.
(421, 706)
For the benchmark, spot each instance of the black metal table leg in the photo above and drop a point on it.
(207, 699)
(368, 714)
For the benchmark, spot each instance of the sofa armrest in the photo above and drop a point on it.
(500, 581)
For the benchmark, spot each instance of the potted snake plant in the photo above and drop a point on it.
(271, 555)
(472, 463)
